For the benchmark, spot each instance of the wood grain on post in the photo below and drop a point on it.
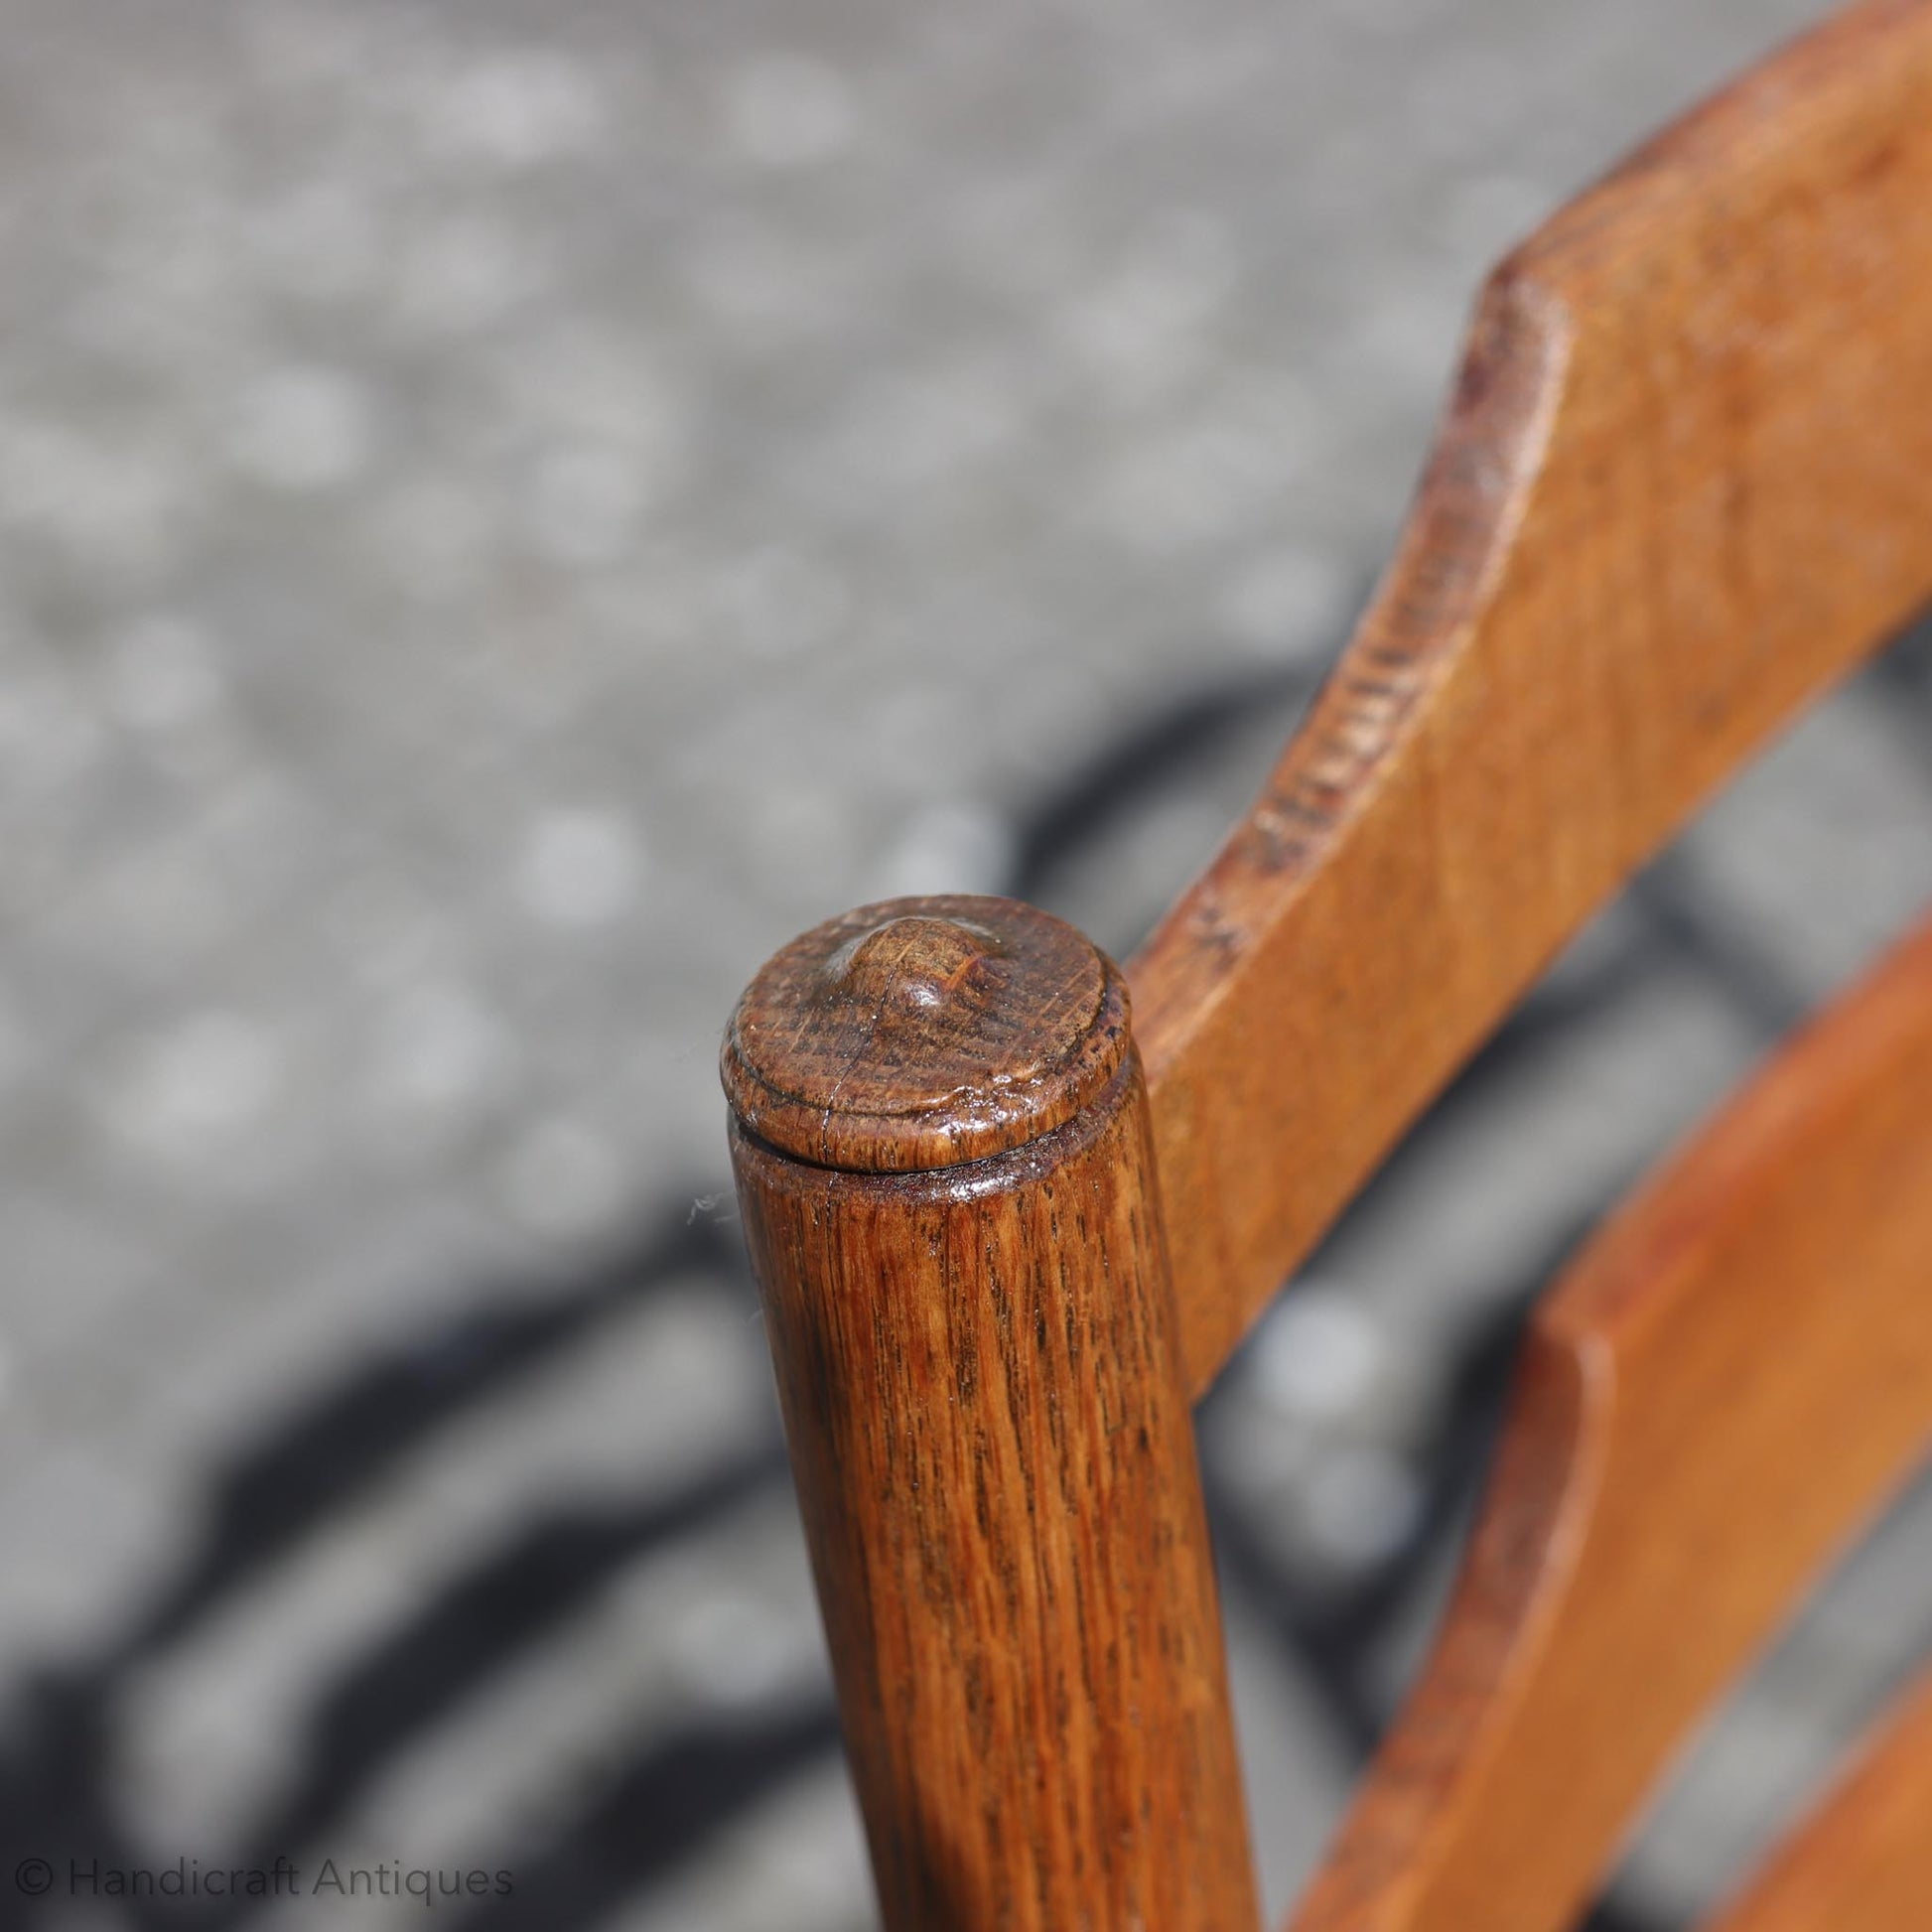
(941, 1143)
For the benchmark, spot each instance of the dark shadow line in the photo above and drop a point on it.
(353, 1432)
(1150, 755)
(668, 1803)
(518, 1596)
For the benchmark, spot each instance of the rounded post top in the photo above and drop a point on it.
(920, 1032)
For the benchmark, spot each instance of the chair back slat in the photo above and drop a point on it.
(1675, 496)
(1864, 1857)
(1721, 1390)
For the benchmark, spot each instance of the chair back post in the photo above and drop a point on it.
(942, 1146)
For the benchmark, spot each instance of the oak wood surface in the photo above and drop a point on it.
(1864, 1859)
(1685, 481)
(1727, 1383)
(1682, 484)
(991, 1439)
(920, 1032)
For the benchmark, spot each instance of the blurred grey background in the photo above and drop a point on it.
(505, 515)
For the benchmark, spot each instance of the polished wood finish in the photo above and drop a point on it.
(990, 1434)
(921, 1032)
(1864, 1860)
(1682, 484)
(1686, 480)
(1721, 1391)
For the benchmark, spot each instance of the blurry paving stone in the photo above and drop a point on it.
(504, 521)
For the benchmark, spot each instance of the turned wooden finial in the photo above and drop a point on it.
(920, 1033)
(991, 1435)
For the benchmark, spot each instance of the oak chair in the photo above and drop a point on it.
(1005, 1239)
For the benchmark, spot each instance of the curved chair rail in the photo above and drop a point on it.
(1864, 1857)
(1673, 497)
(1726, 1384)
